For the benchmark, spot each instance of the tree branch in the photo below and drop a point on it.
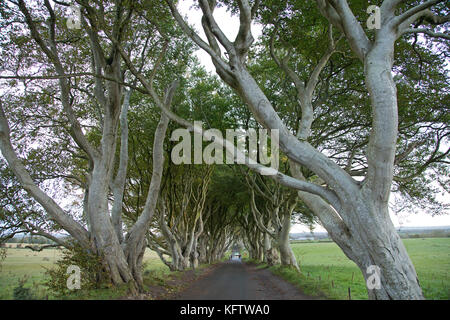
(427, 32)
(415, 10)
(217, 59)
(341, 16)
(27, 183)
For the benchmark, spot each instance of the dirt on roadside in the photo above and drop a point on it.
(171, 286)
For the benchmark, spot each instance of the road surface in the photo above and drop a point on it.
(234, 280)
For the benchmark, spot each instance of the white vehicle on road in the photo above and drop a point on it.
(235, 256)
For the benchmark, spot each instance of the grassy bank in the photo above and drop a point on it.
(327, 271)
(26, 264)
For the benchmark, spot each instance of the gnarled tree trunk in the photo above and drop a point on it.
(286, 254)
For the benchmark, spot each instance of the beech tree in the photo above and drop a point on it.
(182, 214)
(104, 173)
(355, 213)
(227, 201)
(278, 204)
(347, 142)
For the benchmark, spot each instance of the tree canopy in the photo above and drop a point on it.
(87, 114)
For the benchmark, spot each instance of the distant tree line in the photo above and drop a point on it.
(30, 240)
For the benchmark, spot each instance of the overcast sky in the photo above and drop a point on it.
(230, 26)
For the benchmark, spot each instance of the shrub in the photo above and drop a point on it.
(22, 293)
(92, 276)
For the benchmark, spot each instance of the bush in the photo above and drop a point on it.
(22, 293)
(92, 276)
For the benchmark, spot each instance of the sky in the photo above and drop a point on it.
(230, 26)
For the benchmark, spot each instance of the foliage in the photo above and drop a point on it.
(93, 275)
(22, 293)
(20, 263)
(41, 134)
(342, 110)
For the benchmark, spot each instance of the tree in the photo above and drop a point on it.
(226, 203)
(104, 89)
(182, 214)
(276, 206)
(336, 112)
(354, 213)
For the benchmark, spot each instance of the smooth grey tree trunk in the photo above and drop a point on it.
(359, 218)
(286, 254)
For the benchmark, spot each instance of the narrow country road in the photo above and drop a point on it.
(234, 280)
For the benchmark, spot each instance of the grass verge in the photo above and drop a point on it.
(328, 273)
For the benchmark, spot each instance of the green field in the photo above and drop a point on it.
(326, 269)
(21, 263)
